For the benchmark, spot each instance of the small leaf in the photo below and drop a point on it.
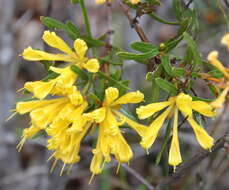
(165, 85)
(91, 42)
(133, 56)
(118, 83)
(83, 75)
(72, 30)
(194, 49)
(52, 23)
(143, 46)
(159, 19)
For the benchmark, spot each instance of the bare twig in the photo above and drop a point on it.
(134, 22)
(138, 176)
(195, 160)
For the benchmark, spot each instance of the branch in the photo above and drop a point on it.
(138, 176)
(195, 160)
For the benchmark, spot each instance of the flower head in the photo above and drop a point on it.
(110, 140)
(186, 106)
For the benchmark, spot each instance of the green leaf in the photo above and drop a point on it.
(178, 9)
(118, 83)
(173, 72)
(52, 23)
(197, 61)
(159, 19)
(165, 85)
(91, 42)
(143, 46)
(72, 30)
(51, 75)
(83, 75)
(133, 56)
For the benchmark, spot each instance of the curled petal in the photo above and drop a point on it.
(92, 65)
(131, 97)
(202, 136)
(203, 108)
(96, 163)
(111, 94)
(80, 47)
(55, 41)
(97, 115)
(150, 109)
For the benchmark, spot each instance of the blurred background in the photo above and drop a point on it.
(20, 27)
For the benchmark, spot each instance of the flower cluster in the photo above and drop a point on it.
(62, 111)
(223, 83)
(63, 116)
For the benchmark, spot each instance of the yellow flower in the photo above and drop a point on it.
(62, 84)
(45, 112)
(78, 56)
(110, 140)
(103, 1)
(186, 106)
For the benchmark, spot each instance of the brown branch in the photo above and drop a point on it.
(134, 22)
(138, 176)
(195, 160)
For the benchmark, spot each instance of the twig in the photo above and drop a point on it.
(138, 176)
(195, 160)
(134, 22)
(226, 3)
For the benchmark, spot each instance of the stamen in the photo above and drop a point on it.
(11, 116)
(53, 165)
(51, 156)
(69, 169)
(62, 170)
(20, 144)
(117, 170)
(92, 177)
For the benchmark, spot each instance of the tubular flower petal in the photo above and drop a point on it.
(213, 59)
(183, 103)
(174, 152)
(154, 128)
(218, 103)
(203, 108)
(131, 97)
(77, 57)
(147, 111)
(201, 135)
